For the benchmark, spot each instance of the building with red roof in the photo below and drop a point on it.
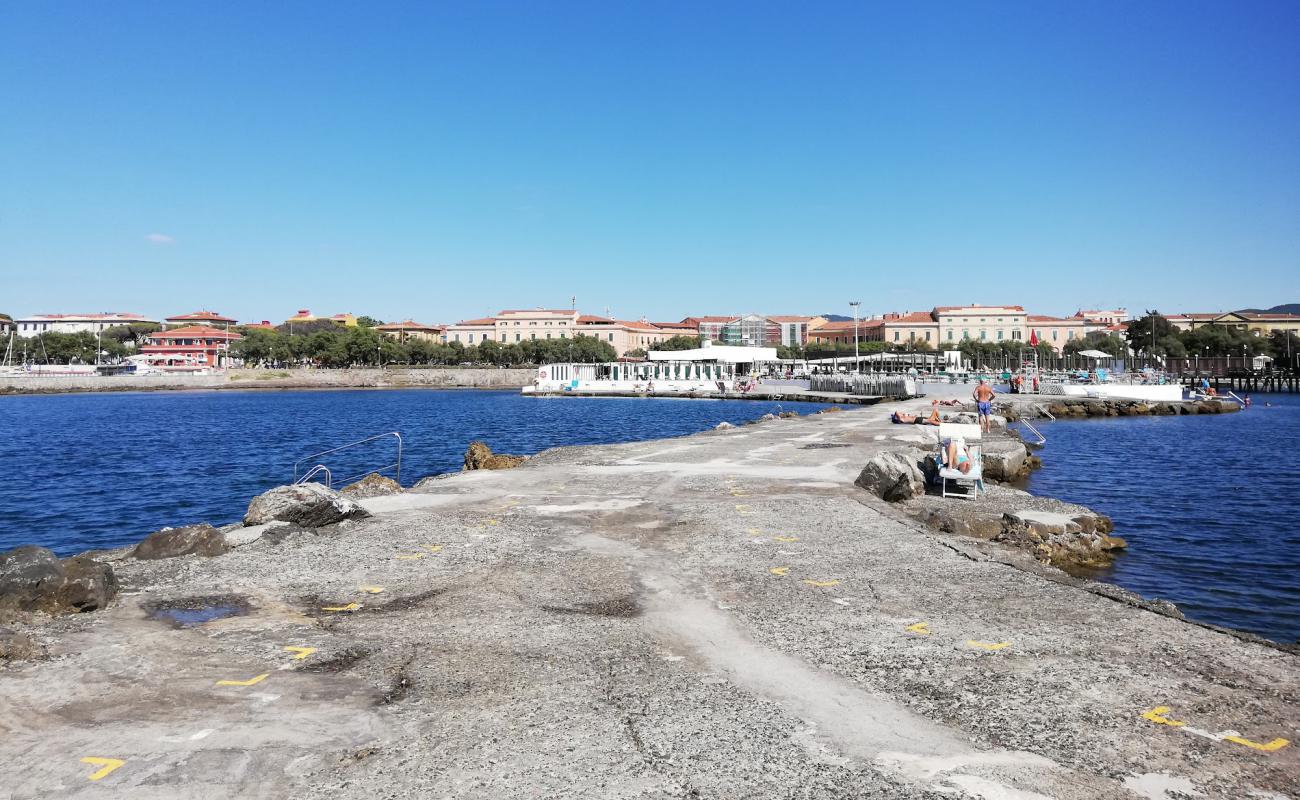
(211, 318)
(409, 330)
(189, 349)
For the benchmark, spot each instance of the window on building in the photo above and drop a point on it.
(984, 334)
(965, 333)
(1069, 334)
(517, 336)
(895, 335)
(950, 334)
(927, 336)
(611, 337)
(1015, 334)
(999, 334)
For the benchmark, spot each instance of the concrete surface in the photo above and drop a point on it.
(450, 377)
(722, 615)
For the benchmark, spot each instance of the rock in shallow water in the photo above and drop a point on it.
(201, 540)
(480, 456)
(308, 505)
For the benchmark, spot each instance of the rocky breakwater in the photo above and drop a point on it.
(1071, 537)
(1016, 407)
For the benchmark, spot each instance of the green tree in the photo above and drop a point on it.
(1098, 340)
(1146, 333)
(677, 343)
(369, 322)
(131, 335)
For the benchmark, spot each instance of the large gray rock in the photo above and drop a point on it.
(373, 485)
(893, 477)
(308, 505)
(200, 540)
(34, 579)
(1004, 460)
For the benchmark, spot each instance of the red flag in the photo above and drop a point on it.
(1033, 338)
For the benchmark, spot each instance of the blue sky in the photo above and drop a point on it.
(442, 161)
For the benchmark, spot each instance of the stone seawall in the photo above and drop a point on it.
(272, 379)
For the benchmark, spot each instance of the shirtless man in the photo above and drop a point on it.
(984, 400)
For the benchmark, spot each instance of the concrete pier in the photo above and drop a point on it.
(721, 615)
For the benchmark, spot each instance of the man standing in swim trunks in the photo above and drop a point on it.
(984, 399)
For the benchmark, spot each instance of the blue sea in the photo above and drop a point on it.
(91, 471)
(1210, 506)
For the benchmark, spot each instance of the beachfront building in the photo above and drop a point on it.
(981, 323)
(305, 315)
(683, 328)
(709, 328)
(1058, 331)
(76, 323)
(795, 329)
(1260, 323)
(1100, 319)
(869, 330)
(209, 318)
(1187, 322)
(751, 330)
(470, 332)
(515, 325)
(624, 336)
(189, 349)
(409, 330)
(911, 329)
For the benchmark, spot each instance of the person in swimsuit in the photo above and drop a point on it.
(955, 455)
(984, 400)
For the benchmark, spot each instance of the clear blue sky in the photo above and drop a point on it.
(442, 161)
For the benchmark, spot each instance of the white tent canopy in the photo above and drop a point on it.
(1094, 354)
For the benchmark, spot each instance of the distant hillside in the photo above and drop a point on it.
(1286, 308)
(835, 318)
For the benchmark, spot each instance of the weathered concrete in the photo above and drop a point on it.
(723, 615)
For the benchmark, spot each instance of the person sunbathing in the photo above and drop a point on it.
(956, 456)
(901, 418)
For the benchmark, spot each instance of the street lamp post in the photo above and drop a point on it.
(857, 365)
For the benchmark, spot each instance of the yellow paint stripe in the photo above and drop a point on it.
(300, 652)
(920, 627)
(256, 679)
(779, 570)
(494, 522)
(433, 548)
(1157, 715)
(106, 765)
(410, 557)
(786, 538)
(988, 645)
(348, 607)
(1276, 744)
(821, 584)
(753, 532)
(372, 589)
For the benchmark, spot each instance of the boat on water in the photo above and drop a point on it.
(707, 369)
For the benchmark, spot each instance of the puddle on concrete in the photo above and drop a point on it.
(191, 611)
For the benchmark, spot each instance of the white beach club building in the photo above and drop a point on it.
(710, 368)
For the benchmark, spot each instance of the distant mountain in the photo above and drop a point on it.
(1286, 308)
(835, 318)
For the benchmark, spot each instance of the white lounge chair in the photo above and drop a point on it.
(967, 484)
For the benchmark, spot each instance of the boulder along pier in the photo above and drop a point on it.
(771, 610)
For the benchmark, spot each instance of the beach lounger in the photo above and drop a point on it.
(965, 485)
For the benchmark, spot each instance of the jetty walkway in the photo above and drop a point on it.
(720, 615)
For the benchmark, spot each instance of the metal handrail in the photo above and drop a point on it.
(319, 468)
(397, 465)
(1042, 440)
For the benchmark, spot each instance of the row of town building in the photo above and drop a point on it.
(202, 338)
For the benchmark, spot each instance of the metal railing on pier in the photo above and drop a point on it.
(322, 470)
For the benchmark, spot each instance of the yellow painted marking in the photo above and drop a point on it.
(779, 570)
(988, 645)
(754, 532)
(743, 509)
(256, 679)
(920, 627)
(822, 584)
(1276, 744)
(348, 607)
(1157, 715)
(372, 589)
(786, 538)
(106, 765)
(300, 652)
(433, 548)
(494, 522)
(739, 494)
(410, 556)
